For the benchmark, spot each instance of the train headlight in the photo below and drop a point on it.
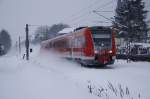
(96, 52)
(110, 52)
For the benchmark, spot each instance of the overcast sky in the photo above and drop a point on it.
(14, 14)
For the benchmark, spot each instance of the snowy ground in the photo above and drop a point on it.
(48, 77)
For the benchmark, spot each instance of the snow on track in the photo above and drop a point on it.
(47, 76)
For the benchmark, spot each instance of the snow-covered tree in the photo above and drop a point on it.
(56, 28)
(41, 34)
(5, 41)
(46, 32)
(132, 14)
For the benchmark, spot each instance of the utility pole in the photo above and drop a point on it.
(27, 41)
(19, 45)
(16, 45)
(129, 33)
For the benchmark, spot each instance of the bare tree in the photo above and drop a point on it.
(46, 32)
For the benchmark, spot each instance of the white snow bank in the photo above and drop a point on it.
(37, 78)
(46, 76)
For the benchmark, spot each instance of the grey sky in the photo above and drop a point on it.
(16, 13)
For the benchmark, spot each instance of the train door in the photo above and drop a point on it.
(71, 44)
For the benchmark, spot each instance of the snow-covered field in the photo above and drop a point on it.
(48, 77)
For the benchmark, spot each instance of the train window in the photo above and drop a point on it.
(101, 35)
(54, 45)
(102, 39)
(76, 42)
(83, 42)
(46, 46)
(98, 31)
(80, 42)
(70, 43)
(50, 45)
(63, 43)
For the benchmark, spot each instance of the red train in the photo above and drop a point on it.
(89, 45)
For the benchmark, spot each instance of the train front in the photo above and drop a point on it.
(104, 45)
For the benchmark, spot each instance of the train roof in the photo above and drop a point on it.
(100, 27)
(69, 30)
(58, 36)
(94, 27)
(66, 30)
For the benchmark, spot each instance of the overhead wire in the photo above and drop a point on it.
(108, 3)
(79, 16)
(104, 5)
(81, 10)
(81, 19)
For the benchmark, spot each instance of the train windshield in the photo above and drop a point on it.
(102, 39)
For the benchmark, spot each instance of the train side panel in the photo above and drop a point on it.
(79, 45)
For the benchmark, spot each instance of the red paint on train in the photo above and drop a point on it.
(89, 45)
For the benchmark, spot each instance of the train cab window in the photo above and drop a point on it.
(102, 39)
